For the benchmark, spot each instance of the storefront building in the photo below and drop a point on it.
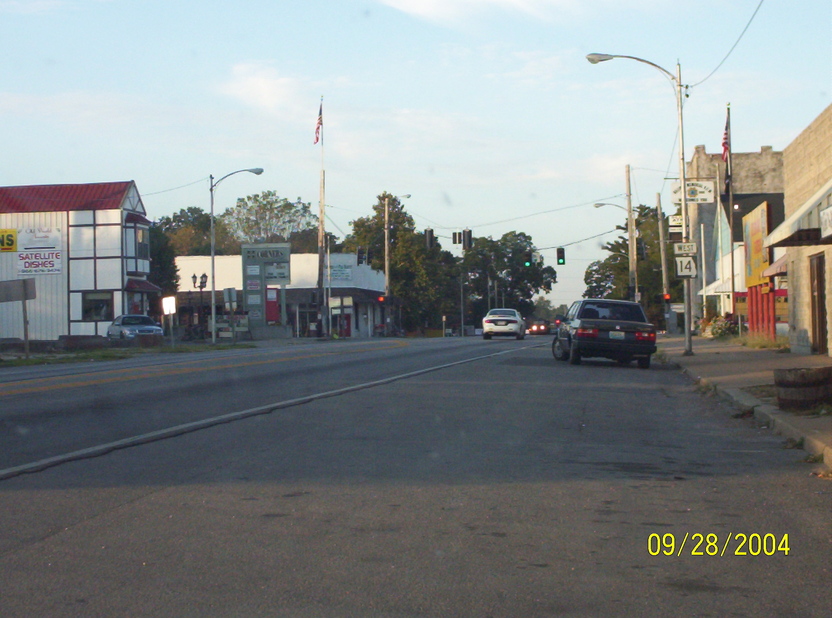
(87, 248)
(806, 234)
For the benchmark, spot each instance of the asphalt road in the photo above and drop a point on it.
(510, 485)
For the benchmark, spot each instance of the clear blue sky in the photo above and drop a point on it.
(486, 111)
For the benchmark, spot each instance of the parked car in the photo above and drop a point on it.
(614, 329)
(129, 326)
(507, 322)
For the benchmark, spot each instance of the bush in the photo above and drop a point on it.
(721, 328)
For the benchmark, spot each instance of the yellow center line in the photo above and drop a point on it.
(138, 373)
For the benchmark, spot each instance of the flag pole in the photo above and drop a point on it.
(729, 181)
(322, 304)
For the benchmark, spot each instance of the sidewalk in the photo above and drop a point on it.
(730, 369)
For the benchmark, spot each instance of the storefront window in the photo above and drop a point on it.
(97, 306)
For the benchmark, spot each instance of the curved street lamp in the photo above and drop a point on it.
(678, 86)
(213, 184)
(631, 243)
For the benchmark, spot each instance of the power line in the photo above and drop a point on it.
(176, 188)
(753, 15)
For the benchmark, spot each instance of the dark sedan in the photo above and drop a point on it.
(614, 329)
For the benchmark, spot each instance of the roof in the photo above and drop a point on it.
(780, 267)
(62, 198)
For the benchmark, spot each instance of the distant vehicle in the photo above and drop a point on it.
(538, 327)
(129, 326)
(503, 322)
(614, 329)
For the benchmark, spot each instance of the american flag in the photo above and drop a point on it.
(320, 123)
(726, 138)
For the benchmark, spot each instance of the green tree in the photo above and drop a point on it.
(189, 232)
(419, 277)
(503, 261)
(268, 218)
(163, 271)
(610, 278)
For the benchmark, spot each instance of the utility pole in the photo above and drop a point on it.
(663, 254)
(631, 242)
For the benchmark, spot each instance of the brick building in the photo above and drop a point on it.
(806, 234)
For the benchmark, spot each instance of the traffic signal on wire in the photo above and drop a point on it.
(561, 256)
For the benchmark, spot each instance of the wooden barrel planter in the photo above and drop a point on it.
(803, 388)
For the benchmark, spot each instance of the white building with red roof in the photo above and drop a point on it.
(87, 248)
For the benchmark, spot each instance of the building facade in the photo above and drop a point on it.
(806, 234)
(353, 291)
(87, 248)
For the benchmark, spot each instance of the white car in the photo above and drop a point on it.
(129, 326)
(505, 322)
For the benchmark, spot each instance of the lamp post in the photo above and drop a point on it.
(631, 244)
(677, 81)
(387, 254)
(203, 281)
(253, 170)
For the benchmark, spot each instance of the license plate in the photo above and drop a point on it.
(616, 334)
(501, 322)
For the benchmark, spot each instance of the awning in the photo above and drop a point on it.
(802, 227)
(717, 287)
(134, 217)
(141, 285)
(778, 268)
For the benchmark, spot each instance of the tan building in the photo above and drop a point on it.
(807, 234)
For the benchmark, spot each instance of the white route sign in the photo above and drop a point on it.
(684, 248)
(686, 267)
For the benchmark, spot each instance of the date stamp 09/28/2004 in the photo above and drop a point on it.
(711, 544)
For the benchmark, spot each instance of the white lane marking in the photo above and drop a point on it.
(178, 430)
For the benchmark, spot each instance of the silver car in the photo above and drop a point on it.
(129, 326)
(503, 322)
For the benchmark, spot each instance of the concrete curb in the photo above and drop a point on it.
(766, 414)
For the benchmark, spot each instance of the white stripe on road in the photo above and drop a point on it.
(178, 430)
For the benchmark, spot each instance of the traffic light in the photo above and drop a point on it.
(561, 256)
(641, 249)
(527, 258)
(457, 238)
(382, 299)
(666, 297)
(429, 238)
(362, 257)
(466, 239)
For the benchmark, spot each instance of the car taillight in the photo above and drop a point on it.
(586, 333)
(646, 336)
(489, 321)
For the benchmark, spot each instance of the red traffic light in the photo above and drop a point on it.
(381, 299)
(666, 297)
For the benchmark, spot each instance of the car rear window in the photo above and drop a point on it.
(503, 313)
(613, 311)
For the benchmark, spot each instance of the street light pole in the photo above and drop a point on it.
(631, 238)
(678, 86)
(253, 170)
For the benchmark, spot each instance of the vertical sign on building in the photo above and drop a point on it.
(264, 265)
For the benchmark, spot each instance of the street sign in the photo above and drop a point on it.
(684, 248)
(686, 267)
(675, 221)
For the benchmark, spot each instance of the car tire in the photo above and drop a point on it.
(557, 350)
(644, 363)
(520, 337)
(574, 356)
